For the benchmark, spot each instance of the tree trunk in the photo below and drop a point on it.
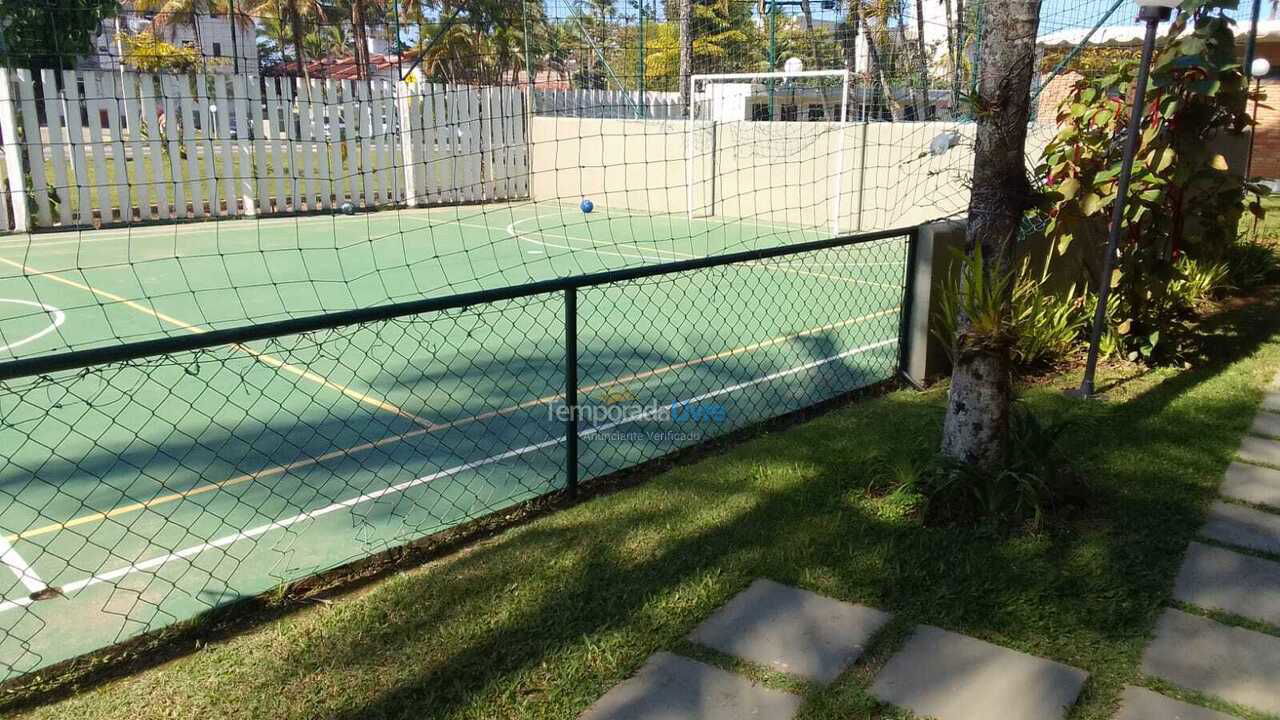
(951, 55)
(849, 45)
(976, 427)
(295, 26)
(361, 34)
(807, 11)
(686, 52)
(879, 80)
(922, 108)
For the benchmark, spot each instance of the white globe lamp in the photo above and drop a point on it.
(1259, 68)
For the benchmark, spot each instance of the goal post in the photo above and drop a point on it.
(764, 116)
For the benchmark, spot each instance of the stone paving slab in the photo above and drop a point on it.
(791, 630)
(1256, 449)
(1141, 704)
(1252, 484)
(1243, 526)
(1219, 579)
(1271, 402)
(1266, 423)
(669, 687)
(948, 676)
(1238, 665)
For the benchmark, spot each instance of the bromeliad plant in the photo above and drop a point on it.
(1184, 198)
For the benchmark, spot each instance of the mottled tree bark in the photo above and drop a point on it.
(849, 45)
(922, 109)
(686, 50)
(977, 423)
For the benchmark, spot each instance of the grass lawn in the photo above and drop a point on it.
(1268, 228)
(541, 620)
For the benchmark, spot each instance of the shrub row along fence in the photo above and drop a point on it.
(83, 148)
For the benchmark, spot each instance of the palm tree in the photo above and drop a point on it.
(975, 429)
(922, 112)
(686, 51)
(807, 12)
(358, 11)
(173, 14)
(849, 44)
(276, 34)
(881, 88)
(297, 15)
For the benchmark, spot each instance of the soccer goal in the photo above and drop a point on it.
(768, 145)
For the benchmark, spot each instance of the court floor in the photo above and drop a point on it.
(147, 492)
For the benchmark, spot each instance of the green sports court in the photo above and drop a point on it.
(149, 490)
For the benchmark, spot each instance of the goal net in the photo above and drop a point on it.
(769, 146)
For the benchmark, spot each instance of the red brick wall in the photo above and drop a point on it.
(1266, 146)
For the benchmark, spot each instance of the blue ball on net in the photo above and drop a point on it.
(587, 206)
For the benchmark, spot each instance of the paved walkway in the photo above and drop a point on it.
(1223, 641)
(1234, 572)
(935, 673)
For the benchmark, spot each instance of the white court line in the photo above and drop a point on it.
(640, 376)
(56, 318)
(211, 227)
(365, 398)
(148, 565)
(14, 561)
(777, 267)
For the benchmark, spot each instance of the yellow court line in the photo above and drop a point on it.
(363, 398)
(332, 455)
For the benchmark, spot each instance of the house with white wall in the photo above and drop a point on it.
(214, 35)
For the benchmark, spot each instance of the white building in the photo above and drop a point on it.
(217, 38)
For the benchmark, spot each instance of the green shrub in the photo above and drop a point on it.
(1196, 282)
(1041, 328)
(1047, 326)
(982, 298)
(1251, 264)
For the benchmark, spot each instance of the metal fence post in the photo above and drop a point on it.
(907, 306)
(571, 389)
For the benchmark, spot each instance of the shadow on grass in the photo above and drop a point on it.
(544, 619)
(606, 584)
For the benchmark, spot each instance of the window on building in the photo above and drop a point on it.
(816, 113)
(760, 111)
(790, 113)
(217, 49)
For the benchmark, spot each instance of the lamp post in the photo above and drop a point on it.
(1258, 69)
(1151, 12)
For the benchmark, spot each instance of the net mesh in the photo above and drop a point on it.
(166, 175)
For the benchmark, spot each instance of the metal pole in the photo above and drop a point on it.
(1253, 133)
(571, 390)
(1153, 16)
(528, 57)
(1251, 44)
(235, 30)
(640, 111)
(773, 52)
(1248, 166)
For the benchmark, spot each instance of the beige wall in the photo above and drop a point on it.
(771, 172)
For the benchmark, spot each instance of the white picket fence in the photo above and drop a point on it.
(98, 147)
(610, 104)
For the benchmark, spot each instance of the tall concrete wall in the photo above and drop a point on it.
(770, 172)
